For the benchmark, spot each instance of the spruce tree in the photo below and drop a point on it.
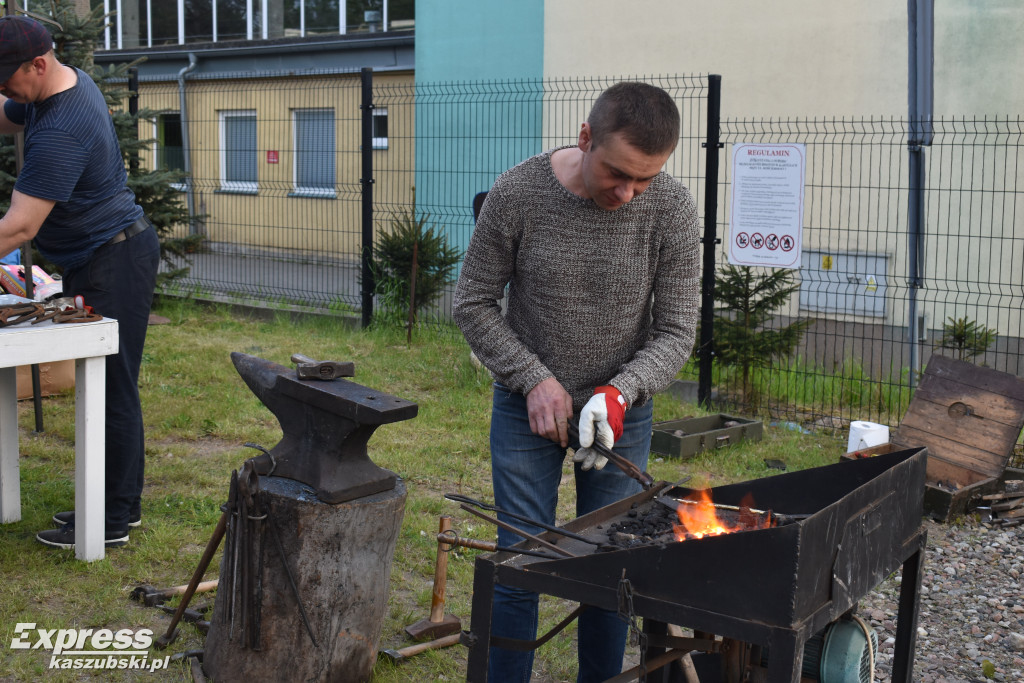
(746, 301)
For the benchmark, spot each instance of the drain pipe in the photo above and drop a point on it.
(186, 149)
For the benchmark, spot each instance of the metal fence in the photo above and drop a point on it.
(874, 324)
(397, 146)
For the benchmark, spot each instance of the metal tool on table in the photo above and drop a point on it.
(645, 479)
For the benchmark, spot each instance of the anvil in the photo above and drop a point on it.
(326, 426)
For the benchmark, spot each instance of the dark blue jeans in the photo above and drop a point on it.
(118, 282)
(526, 470)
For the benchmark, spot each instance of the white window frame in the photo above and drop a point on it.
(247, 186)
(156, 148)
(381, 142)
(308, 191)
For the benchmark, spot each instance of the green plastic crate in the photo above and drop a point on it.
(702, 433)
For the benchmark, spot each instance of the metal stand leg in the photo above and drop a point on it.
(786, 658)
(656, 628)
(480, 627)
(906, 620)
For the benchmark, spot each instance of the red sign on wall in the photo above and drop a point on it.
(271, 156)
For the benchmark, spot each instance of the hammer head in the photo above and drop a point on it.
(307, 368)
(166, 639)
(147, 595)
(394, 655)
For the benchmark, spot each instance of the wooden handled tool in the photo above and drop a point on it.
(438, 623)
(409, 651)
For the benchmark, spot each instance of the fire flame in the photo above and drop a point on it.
(698, 517)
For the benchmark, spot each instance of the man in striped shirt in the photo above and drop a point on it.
(72, 198)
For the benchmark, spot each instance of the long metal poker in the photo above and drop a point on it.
(459, 498)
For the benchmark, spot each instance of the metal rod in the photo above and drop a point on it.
(518, 532)
(710, 241)
(451, 538)
(366, 181)
(459, 498)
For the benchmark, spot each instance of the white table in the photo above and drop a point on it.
(88, 344)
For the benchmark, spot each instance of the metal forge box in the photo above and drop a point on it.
(848, 526)
(969, 418)
(687, 437)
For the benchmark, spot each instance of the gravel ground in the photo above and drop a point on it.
(971, 618)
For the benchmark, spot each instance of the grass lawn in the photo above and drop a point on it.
(198, 415)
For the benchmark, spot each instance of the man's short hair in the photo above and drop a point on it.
(646, 116)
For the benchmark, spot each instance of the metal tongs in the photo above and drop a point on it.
(645, 479)
(468, 504)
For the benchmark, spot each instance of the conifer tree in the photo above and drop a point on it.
(74, 41)
(747, 299)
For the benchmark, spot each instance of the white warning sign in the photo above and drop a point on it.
(767, 209)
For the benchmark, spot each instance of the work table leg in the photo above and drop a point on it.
(10, 483)
(90, 457)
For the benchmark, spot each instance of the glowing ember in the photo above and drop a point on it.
(698, 517)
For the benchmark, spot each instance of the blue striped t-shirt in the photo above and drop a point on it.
(72, 156)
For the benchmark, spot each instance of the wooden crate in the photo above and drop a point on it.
(702, 433)
(969, 418)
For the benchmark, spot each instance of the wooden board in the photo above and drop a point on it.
(969, 418)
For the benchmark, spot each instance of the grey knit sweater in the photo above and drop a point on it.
(594, 297)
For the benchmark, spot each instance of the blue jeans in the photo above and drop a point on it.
(118, 282)
(526, 470)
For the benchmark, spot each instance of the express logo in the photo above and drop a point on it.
(75, 648)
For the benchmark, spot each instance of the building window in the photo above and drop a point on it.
(168, 150)
(314, 152)
(238, 153)
(151, 23)
(380, 128)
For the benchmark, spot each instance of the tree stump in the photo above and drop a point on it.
(340, 558)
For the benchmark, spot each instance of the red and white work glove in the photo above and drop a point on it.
(600, 419)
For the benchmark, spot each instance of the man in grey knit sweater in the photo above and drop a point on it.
(599, 250)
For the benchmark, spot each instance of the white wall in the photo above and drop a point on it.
(798, 58)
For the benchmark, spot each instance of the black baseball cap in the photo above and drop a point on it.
(22, 39)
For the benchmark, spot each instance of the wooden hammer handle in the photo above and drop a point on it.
(440, 572)
(430, 645)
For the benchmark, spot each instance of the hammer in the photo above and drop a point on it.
(410, 650)
(438, 623)
(307, 368)
(151, 597)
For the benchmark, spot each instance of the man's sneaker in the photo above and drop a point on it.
(68, 517)
(64, 537)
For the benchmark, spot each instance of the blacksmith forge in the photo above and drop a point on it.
(846, 528)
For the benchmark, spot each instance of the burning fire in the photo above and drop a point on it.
(698, 517)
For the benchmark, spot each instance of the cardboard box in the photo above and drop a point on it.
(54, 378)
(702, 433)
(969, 418)
(12, 279)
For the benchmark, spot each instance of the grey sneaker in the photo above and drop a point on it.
(68, 517)
(64, 537)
